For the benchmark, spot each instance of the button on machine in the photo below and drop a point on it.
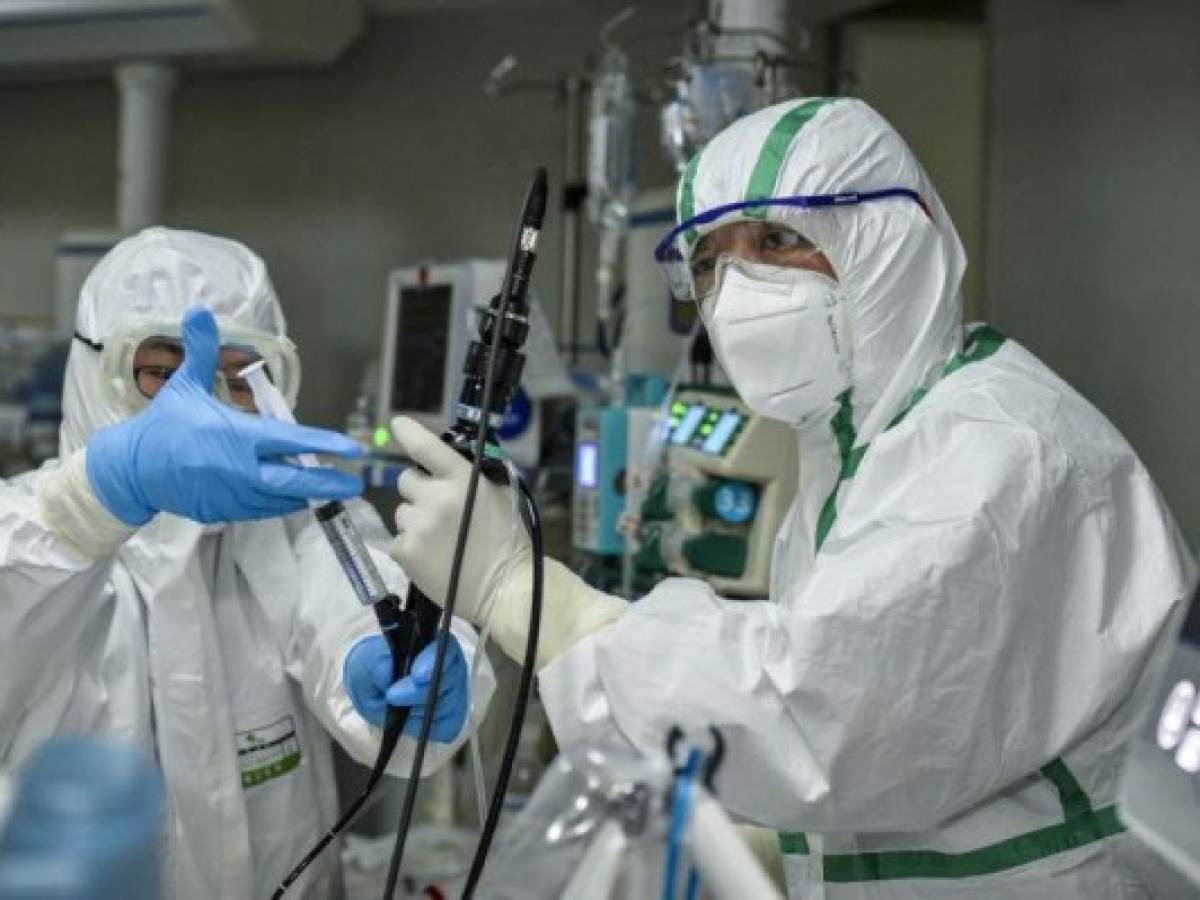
(1175, 714)
(1160, 791)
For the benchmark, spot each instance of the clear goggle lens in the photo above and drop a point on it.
(691, 279)
(158, 357)
(136, 362)
(762, 248)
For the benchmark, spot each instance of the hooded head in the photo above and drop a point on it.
(897, 257)
(150, 278)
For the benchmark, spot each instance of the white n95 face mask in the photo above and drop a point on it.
(780, 334)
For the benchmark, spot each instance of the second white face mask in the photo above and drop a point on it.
(780, 334)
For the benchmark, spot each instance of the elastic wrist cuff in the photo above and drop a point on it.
(67, 507)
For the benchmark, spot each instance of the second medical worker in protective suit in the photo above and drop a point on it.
(228, 651)
(967, 591)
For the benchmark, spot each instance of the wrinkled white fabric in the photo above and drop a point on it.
(67, 506)
(999, 574)
(219, 650)
(765, 314)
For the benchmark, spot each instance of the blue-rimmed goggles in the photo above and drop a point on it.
(674, 251)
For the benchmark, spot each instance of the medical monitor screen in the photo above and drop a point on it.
(1191, 623)
(422, 342)
(718, 439)
(587, 466)
(687, 426)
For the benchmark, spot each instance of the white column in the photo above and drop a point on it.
(144, 138)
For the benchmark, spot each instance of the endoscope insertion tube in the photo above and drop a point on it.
(333, 517)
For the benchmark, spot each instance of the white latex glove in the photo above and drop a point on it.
(495, 586)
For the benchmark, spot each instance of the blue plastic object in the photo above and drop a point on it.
(645, 389)
(681, 813)
(86, 825)
(368, 678)
(189, 454)
(517, 416)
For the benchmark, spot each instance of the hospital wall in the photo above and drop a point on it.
(1094, 132)
(928, 78)
(334, 175)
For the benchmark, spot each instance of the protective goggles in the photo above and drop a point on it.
(674, 252)
(137, 361)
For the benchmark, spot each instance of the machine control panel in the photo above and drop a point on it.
(598, 496)
(711, 428)
(727, 483)
(1160, 793)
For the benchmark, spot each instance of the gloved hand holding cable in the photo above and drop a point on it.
(368, 677)
(494, 591)
(190, 455)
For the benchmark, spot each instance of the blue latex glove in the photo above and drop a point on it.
(367, 675)
(190, 454)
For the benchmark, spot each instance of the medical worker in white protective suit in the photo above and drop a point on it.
(229, 651)
(967, 592)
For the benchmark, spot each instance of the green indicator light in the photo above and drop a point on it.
(705, 429)
(382, 436)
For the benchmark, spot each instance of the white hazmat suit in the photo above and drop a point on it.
(219, 649)
(965, 598)
(963, 603)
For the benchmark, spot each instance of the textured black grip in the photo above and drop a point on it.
(426, 613)
(402, 633)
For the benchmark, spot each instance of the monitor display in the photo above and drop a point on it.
(587, 465)
(422, 342)
(687, 425)
(719, 438)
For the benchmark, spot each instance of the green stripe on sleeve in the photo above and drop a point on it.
(765, 177)
(793, 843)
(1075, 802)
(999, 857)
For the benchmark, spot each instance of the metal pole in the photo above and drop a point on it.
(568, 319)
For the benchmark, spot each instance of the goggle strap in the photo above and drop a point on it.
(94, 345)
(811, 201)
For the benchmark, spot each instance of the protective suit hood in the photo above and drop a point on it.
(157, 274)
(899, 262)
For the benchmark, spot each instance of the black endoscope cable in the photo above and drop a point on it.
(387, 746)
(508, 289)
(401, 643)
(389, 609)
(533, 524)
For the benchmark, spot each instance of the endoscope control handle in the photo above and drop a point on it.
(426, 615)
(408, 631)
(411, 628)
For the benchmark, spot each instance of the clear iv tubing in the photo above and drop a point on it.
(335, 521)
(652, 454)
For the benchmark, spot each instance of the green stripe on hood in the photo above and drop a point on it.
(687, 194)
(765, 177)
